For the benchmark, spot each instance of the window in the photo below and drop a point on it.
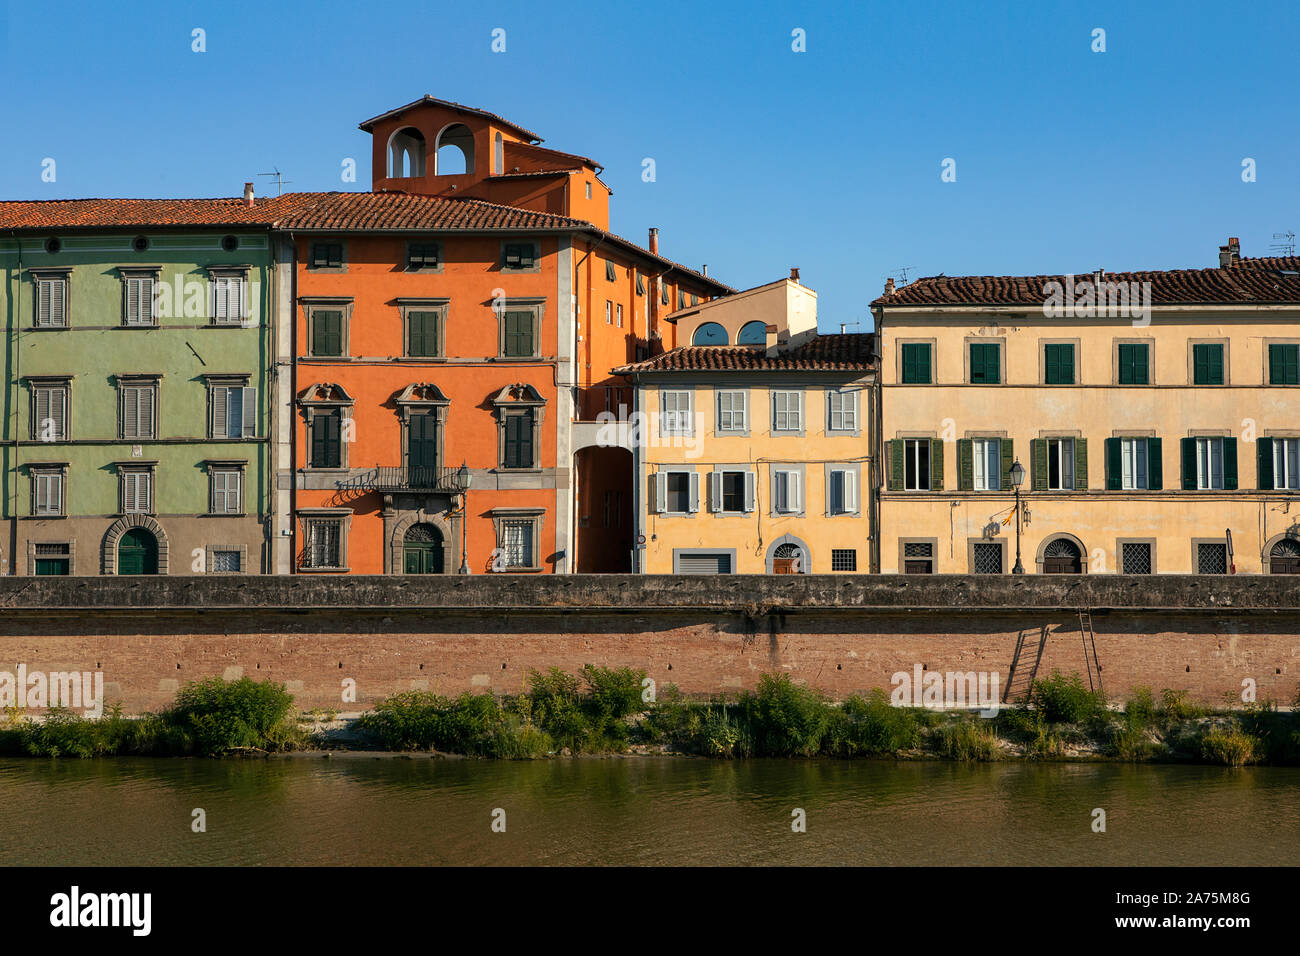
(1058, 363)
(986, 558)
(327, 332)
(787, 491)
(916, 464)
(519, 333)
(1135, 558)
(225, 487)
(137, 297)
(51, 300)
(841, 490)
(611, 273)
(787, 411)
(47, 491)
(618, 311)
(499, 155)
(422, 255)
(234, 411)
(918, 557)
(519, 449)
(680, 494)
(326, 255)
(986, 464)
(640, 284)
(138, 410)
(985, 363)
(323, 547)
(1211, 558)
(225, 561)
(681, 299)
(1133, 463)
(137, 490)
(517, 543)
(733, 412)
(1134, 363)
(518, 256)
(842, 410)
(50, 412)
(1284, 364)
(51, 557)
(916, 363)
(710, 333)
(227, 297)
(695, 299)
(665, 295)
(588, 190)
(1207, 364)
(731, 492)
(1209, 464)
(1060, 464)
(844, 559)
(675, 413)
(326, 427)
(422, 338)
(609, 312)
(752, 333)
(1286, 463)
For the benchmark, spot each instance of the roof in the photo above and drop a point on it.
(845, 352)
(64, 214)
(629, 246)
(731, 300)
(368, 125)
(1249, 281)
(396, 211)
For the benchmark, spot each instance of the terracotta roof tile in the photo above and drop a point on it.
(57, 214)
(368, 125)
(852, 352)
(402, 211)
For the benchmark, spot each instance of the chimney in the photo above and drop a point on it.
(654, 240)
(1230, 254)
(889, 286)
(248, 195)
(772, 341)
(704, 269)
(794, 273)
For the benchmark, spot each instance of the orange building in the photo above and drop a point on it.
(451, 344)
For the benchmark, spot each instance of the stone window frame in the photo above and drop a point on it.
(534, 304)
(1226, 342)
(516, 399)
(750, 492)
(717, 412)
(934, 554)
(1267, 372)
(854, 468)
(660, 489)
(238, 465)
(132, 380)
(137, 466)
(127, 273)
(341, 303)
(1119, 552)
(845, 390)
(310, 407)
(537, 517)
(46, 274)
(780, 467)
(415, 397)
(1150, 342)
(228, 380)
(49, 381)
(805, 553)
(425, 270)
(664, 430)
(70, 544)
(679, 553)
(48, 468)
(340, 516)
(313, 242)
(1196, 551)
(240, 272)
(802, 430)
(1001, 542)
(1077, 362)
(933, 343)
(537, 256)
(967, 342)
(438, 306)
(209, 558)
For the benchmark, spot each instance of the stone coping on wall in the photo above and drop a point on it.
(627, 593)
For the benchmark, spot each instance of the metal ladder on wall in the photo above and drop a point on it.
(1090, 660)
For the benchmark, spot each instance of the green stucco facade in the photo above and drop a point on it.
(109, 433)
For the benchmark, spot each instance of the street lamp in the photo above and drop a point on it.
(1017, 479)
(465, 478)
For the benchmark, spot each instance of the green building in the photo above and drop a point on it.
(138, 373)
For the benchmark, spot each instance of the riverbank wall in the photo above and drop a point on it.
(344, 643)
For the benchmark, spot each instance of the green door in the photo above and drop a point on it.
(422, 550)
(137, 553)
(51, 565)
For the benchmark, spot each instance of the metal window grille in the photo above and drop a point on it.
(988, 558)
(844, 559)
(1137, 558)
(1212, 559)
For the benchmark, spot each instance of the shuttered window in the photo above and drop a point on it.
(842, 491)
(1284, 364)
(1133, 464)
(1058, 363)
(52, 302)
(665, 295)
(675, 413)
(139, 300)
(327, 255)
(326, 444)
(732, 411)
(787, 491)
(138, 405)
(227, 300)
(985, 363)
(787, 411)
(225, 491)
(327, 332)
(137, 492)
(986, 464)
(1134, 363)
(422, 335)
(422, 255)
(234, 411)
(842, 410)
(50, 413)
(519, 440)
(677, 492)
(518, 340)
(519, 255)
(1207, 364)
(916, 363)
(47, 493)
(1209, 464)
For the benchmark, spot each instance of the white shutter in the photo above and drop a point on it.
(779, 491)
(749, 491)
(796, 411)
(660, 485)
(250, 413)
(795, 492)
(146, 412)
(695, 492)
(715, 491)
(850, 491)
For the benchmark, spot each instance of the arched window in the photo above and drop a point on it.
(406, 153)
(710, 333)
(1062, 556)
(1285, 557)
(752, 333)
(455, 153)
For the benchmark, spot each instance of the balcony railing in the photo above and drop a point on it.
(389, 478)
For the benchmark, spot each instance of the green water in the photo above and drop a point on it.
(367, 811)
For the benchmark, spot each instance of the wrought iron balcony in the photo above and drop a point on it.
(390, 478)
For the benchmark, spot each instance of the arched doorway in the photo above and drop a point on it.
(789, 555)
(422, 550)
(137, 553)
(1062, 556)
(1285, 557)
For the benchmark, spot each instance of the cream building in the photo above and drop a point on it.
(1155, 416)
(754, 448)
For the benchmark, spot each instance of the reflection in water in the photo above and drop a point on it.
(362, 810)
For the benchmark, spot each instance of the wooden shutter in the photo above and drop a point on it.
(220, 411)
(610, 275)
(749, 491)
(659, 491)
(1081, 464)
(850, 490)
(936, 465)
(1189, 464)
(1114, 465)
(130, 412)
(249, 406)
(1006, 447)
(715, 491)
(795, 491)
(895, 453)
(1155, 465)
(1264, 457)
(145, 424)
(1229, 464)
(965, 464)
(695, 492)
(130, 492)
(1038, 461)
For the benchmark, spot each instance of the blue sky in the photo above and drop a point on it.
(1066, 160)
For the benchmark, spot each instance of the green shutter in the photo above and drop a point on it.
(1189, 464)
(1008, 459)
(985, 367)
(1133, 364)
(1114, 470)
(1230, 464)
(1284, 364)
(1264, 455)
(1058, 364)
(327, 332)
(1207, 364)
(965, 465)
(1038, 461)
(423, 334)
(1081, 464)
(895, 464)
(936, 466)
(916, 363)
(1155, 465)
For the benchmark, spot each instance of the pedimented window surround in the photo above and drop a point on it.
(512, 400)
(423, 397)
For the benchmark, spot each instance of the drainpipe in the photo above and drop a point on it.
(293, 400)
(18, 358)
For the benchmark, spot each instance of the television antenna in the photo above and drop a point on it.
(280, 181)
(900, 274)
(1286, 246)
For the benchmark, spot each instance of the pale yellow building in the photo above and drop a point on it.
(753, 454)
(1155, 415)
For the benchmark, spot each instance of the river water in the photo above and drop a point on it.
(363, 810)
